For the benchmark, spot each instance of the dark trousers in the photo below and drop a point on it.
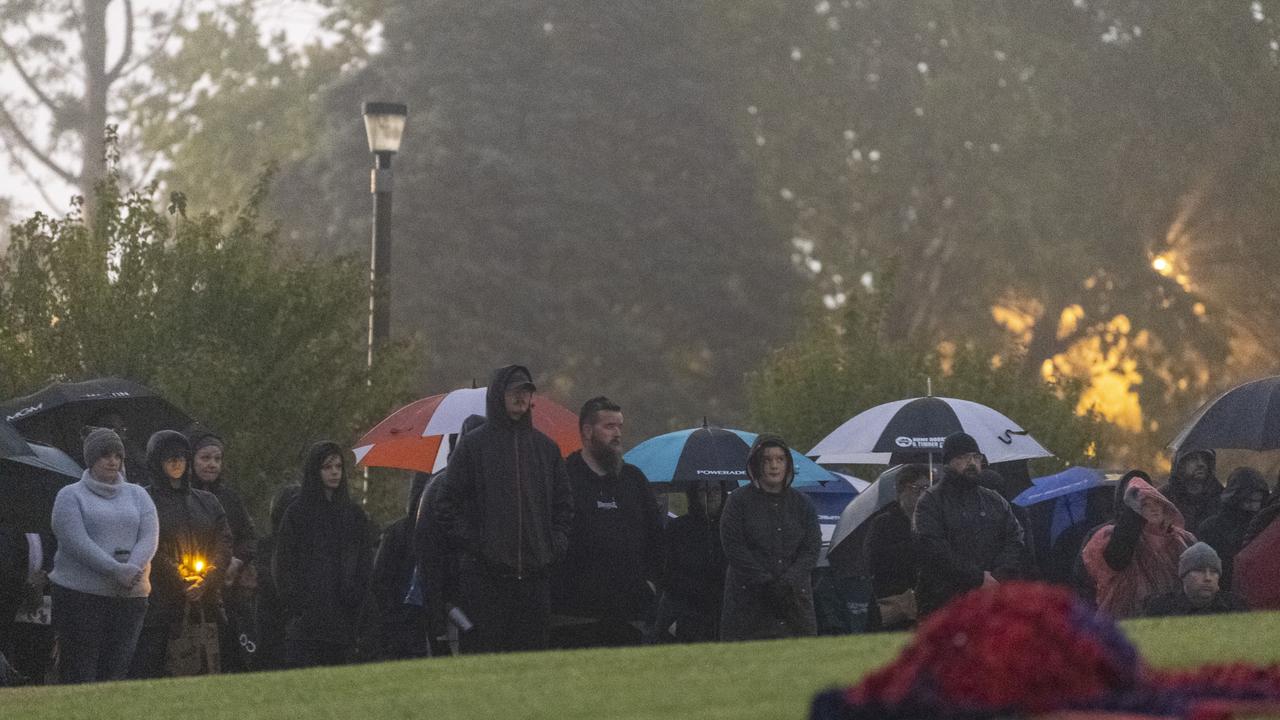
(151, 654)
(29, 648)
(303, 648)
(509, 614)
(607, 632)
(96, 634)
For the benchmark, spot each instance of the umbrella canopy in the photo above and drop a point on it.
(28, 485)
(417, 436)
(1068, 482)
(56, 414)
(12, 443)
(1257, 570)
(710, 453)
(851, 530)
(911, 430)
(1246, 417)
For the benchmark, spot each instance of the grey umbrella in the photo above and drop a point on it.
(845, 550)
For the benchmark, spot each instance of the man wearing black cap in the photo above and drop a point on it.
(506, 507)
(967, 536)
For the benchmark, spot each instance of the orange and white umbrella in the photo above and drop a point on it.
(418, 436)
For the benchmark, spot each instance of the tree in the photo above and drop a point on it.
(838, 366)
(568, 194)
(264, 347)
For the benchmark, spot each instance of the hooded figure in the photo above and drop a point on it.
(506, 506)
(1193, 487)
(270, 615)
(403, 625)
(1153, 565)
(1245, 495)
(193, 554)
(771, 542)
(321, 563)
(694, 566)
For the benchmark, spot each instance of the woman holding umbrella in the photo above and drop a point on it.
(107, 534)
(771, 542)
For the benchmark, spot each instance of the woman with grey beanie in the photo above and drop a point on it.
(107, 532)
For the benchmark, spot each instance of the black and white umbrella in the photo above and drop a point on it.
(912, 430)
(1246, 417)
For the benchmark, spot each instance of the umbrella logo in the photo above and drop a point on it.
(25, 412)
(722, 472)
(919, 443)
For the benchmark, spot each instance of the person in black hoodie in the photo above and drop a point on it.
(270, 616)
(1193, 487)
(1225, 531)
(694, 567)
(193, 555)
(240, 579)
(604, 592)
(321, 563)
(506, 507)
(402, 626)
(966, 535)
(771, 541)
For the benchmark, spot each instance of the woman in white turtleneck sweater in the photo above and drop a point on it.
(107, 532)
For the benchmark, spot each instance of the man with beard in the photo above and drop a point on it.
(604, 592)
(966, 535)
(1193, 488)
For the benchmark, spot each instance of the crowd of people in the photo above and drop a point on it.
(512, 547)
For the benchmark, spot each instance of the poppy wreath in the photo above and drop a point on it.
(1025, 649)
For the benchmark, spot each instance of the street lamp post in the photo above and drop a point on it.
(384, 125)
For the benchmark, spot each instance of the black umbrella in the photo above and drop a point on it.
(29, 484)
(12, 443)
(1246, 417)
(58, 414)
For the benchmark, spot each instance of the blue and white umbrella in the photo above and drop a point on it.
(1068, 482)
(708, 454)
(911, 430)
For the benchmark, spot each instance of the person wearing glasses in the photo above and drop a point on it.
(892, 557)
(966, 535)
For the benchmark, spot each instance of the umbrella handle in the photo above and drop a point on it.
(1006, 437)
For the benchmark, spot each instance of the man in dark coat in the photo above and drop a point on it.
(1200, 569)
(207, 475)
(892, 557)
(771, 541)
(1193, 487)
(604, 592)
(694, 567)
(1225, 531)
(507, 507)
(192, 558)
(321, 564)
(966, 535)
(402, 625)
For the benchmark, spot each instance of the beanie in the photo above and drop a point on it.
(958, 444)
(205, 440)
(100, 443)
(1198, 557)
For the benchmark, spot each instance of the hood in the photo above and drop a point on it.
(494, 408)
(1139, 493)
(163, 444)
(763, 441)
(416, 487)
(281, 502)
(199, 438)
(312, 489)
(1242, 483)
(1123, 485)
(1178, 482)
(695, 492)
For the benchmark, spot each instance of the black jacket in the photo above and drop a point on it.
(963, 530)
(193, 525)
(1225, 530)
(771, 543)
(615, 545)
(393, 565)
(1176, 603)
(505, 498)
(322, 555)
(244, 535)
(891, 553)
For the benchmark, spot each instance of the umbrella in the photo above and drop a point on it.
(417, 436)
(709, 453)
(12, 443)
(911, 430)
(851, 530)
(1246, 417)
(1257, 569)
(56, 414)
(1068, 482)
(829, 499)
(28, 485)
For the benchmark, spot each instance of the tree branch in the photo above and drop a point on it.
(23, 140)
(35, 181)
(114, 73)
(30, 82)
(159, 48)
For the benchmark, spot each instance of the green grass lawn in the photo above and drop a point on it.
(750, 680)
